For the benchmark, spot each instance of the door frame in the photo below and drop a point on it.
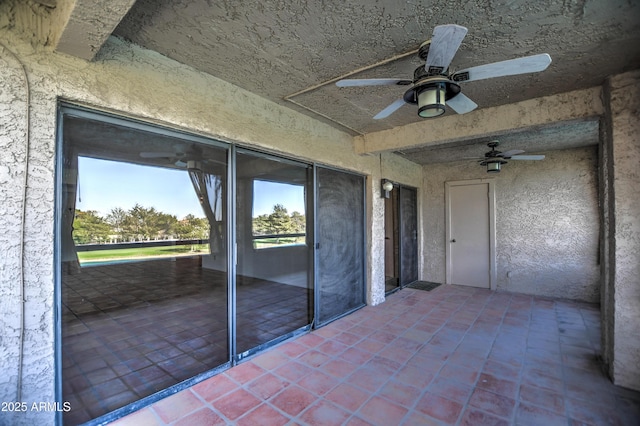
(491, 200)
(393, 202)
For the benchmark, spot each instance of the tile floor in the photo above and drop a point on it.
(451, 356)
(132, 329)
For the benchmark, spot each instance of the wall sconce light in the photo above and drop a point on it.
(387, 187)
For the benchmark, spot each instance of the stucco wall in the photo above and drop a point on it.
(127, 80)
(624, 99)
(547, 223)
(13, 130)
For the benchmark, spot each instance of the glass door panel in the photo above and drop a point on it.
(274, 267)
(142, 231)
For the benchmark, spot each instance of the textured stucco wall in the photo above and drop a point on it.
(13, 130)
(607, 250)
(547, 223)
(624, 99)
(128, 80)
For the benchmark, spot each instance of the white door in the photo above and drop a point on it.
(470, 235)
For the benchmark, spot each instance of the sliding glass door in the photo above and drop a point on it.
(180, 256)
(143, 252)
(274, 285)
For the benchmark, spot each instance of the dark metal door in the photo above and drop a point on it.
(408, 236)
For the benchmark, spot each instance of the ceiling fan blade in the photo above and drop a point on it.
(389, 110)
(158, 154)
(373, 82)
(511, 153)
(527, 157)
(535, 63)
(445, 42)
(461, 104)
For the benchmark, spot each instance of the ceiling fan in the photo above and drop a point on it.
(173, 157)
(494, 159)
(433, 85)
(182, 160)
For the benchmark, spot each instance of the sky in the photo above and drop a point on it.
(104, 185)
(267, 194)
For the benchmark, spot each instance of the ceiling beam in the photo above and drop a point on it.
(486, 122)
(80, 27)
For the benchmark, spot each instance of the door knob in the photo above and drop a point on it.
(453, 241)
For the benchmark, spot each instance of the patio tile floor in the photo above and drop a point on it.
(452, 356)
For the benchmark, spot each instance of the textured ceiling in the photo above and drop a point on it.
(565, 135)
(278, 48)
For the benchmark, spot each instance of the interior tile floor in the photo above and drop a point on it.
(452, 356)
(132, 329)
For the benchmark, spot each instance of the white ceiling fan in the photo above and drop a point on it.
(433, 86)
(494, 159)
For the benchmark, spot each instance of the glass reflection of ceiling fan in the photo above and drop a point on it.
(179, 159)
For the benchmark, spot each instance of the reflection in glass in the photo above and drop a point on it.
(283, 223)
(273, 272)
(143, 274)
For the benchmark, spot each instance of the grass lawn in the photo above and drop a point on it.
(141, 253)
(259, 243)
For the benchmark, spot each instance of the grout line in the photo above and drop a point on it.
(514, 415)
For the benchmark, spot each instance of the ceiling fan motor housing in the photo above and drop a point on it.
(423, 79)
(494, 160)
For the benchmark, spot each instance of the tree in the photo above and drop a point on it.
(143, 223)
(137, 224)
(261, 225)
(89, 228)
(192, 227)
(116, 218)
(299, 223)
(279, 222)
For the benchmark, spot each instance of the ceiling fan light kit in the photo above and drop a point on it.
(494, 159)
(431, 95)
(431, 101)
(494, 166)
(433, 86)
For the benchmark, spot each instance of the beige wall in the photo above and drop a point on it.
(128, 80)
(547, 223)
(621, 296)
